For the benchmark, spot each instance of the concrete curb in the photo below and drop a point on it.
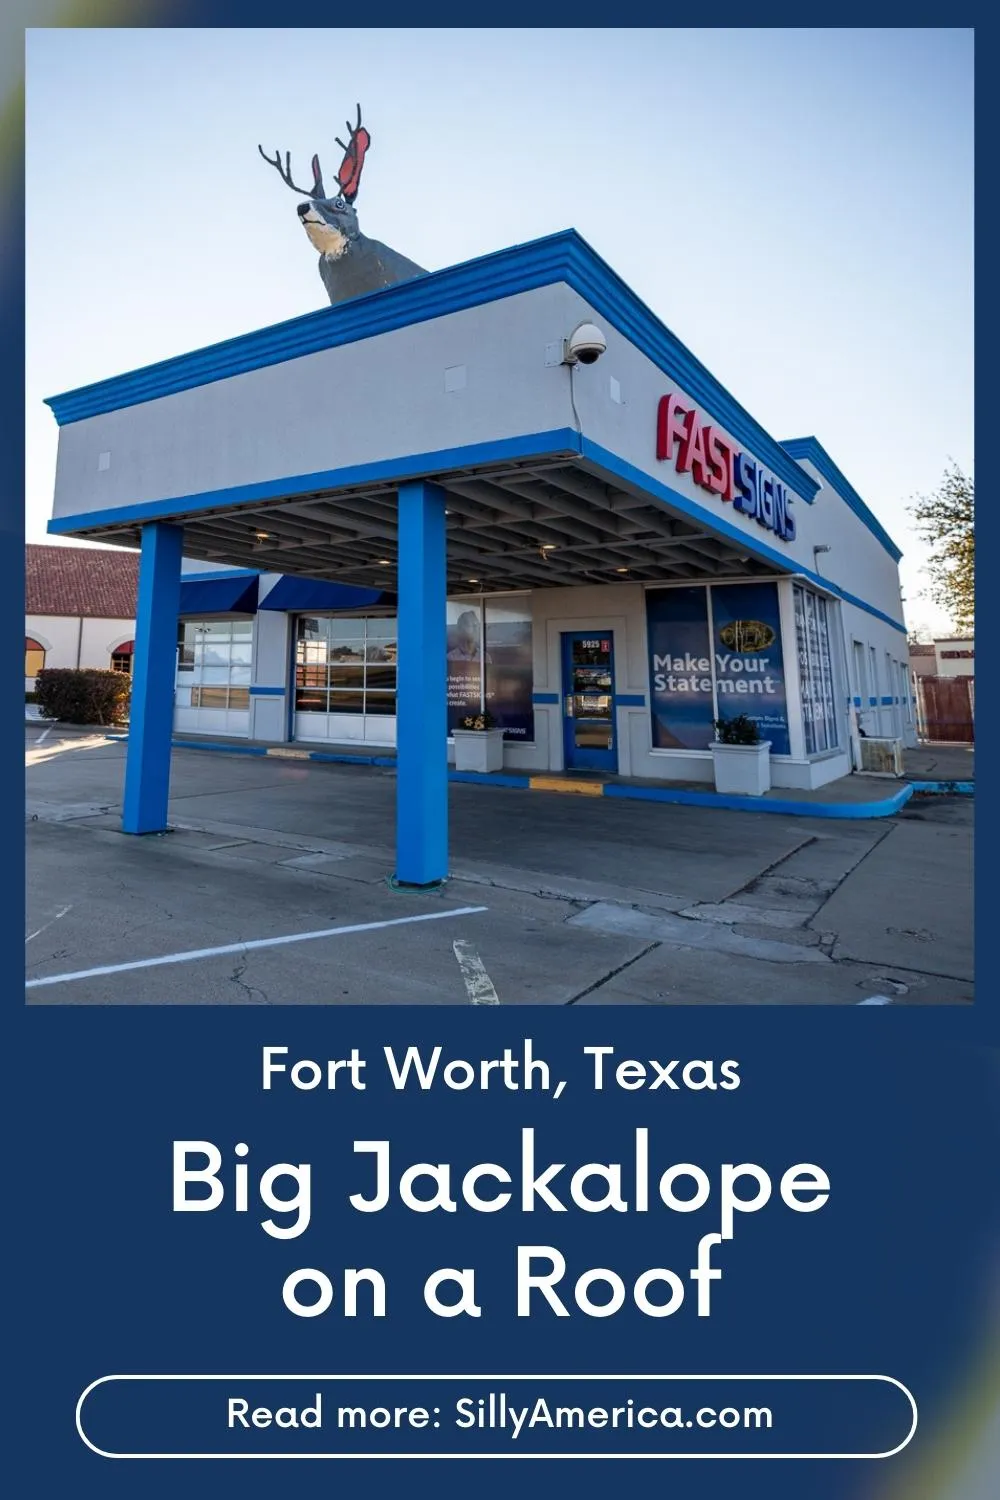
(884, 808)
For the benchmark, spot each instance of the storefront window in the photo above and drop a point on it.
(465, 660)
(509, 672)
(213, 663)
(812, 641)
(715, 652)
(348, 665)
(345, 666)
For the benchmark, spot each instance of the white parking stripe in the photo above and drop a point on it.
(43, 736)
(477, 982)
(46, 925)
(275, 942)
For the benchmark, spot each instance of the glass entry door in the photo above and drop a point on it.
(588, 701)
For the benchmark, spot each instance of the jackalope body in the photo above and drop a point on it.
(349, 262)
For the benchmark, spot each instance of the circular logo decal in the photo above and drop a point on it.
(747, 635)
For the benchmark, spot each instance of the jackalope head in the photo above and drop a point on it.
(330, 223)
(350, 264)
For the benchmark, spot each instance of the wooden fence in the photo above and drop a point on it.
(946, 708)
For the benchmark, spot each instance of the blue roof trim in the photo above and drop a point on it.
(812, 449)
(561, 440)
(612, 464)
(235, 595)
(219, 573)
(563, 257)
(411, 466)
(594, 279)
(485, 279)
(292, 594)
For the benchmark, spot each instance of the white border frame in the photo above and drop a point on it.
(106, 1379)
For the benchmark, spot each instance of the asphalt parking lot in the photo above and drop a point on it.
(274, 887)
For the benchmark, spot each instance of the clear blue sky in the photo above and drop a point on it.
(795, 205)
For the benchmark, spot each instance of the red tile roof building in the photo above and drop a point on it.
(81, 582)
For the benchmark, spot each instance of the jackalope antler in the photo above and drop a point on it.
(348, 178)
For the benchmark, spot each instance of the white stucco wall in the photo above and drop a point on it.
(375, 399)
(73, 642)
(951, 666)
(385, 397)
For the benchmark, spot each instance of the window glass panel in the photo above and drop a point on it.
(343, 629)
(347, 702)
(509, 667)
(748, 659)
(34, 658)
(380, 703)
(347, 653)
(310, 701)
(310, 628)
(311, 652)
(812, 635)
(382, 679)
(311, 675)
(383, 630)
(215, 653)
(380, 651)
(347, 677)
(464, 651)
(186, 639)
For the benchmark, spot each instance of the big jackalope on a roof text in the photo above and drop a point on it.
(349, 262)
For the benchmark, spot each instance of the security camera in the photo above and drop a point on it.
(585, 345)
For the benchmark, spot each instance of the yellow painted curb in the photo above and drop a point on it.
(563, 784)
(284, 754)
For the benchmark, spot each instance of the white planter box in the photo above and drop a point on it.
(478, 749)
(742, 769)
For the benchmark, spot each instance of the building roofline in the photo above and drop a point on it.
(563, 257)
(812, 449)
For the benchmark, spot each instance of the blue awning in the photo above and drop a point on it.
(219, 594)
(298, 595)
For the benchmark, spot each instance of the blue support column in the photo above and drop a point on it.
(422, 689)
(154, 663)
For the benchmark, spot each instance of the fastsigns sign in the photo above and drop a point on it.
(699, 449)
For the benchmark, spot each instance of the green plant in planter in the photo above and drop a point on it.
(739, 731)
(484, 720)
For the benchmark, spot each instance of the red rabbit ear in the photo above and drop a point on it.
(349, 174)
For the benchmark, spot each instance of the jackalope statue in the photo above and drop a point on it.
(349, 262)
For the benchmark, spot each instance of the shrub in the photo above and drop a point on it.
(31, 697)
(83, 695)
(739, 731)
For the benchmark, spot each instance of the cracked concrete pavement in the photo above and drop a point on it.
(564, 900)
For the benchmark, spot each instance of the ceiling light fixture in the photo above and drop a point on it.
(262, 536)
(384, 562)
